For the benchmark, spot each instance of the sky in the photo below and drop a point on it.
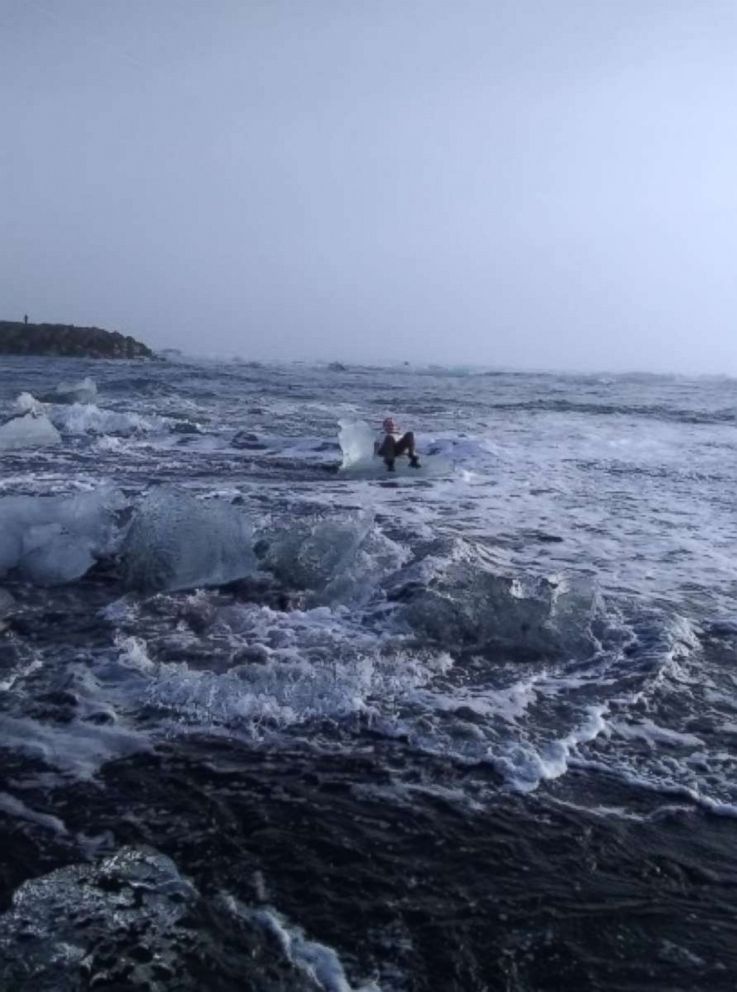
(514, 183)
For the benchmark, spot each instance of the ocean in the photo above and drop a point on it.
(268, 726)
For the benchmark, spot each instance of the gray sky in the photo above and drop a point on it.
(508, 182)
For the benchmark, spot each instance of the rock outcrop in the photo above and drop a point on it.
(18, 338)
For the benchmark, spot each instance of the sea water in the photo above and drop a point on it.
(266, 726)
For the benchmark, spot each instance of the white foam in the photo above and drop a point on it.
(16, 807)
(311, 668)
(76, 749)
(655, 783)
(86, 418)
(84, 391)
(650, 732)
(524, 768)
(319, 962)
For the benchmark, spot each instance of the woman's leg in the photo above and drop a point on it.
(388, 450)
(405, 443)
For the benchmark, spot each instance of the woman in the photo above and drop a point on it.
(393, 443)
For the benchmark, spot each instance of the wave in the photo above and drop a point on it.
(654, 411)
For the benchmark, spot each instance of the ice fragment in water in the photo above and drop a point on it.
(357, 443)
(459, 601)
(28, 432)
(27, 403)
(178, 542)
(336, 559)
(55, 539)
(61, 558)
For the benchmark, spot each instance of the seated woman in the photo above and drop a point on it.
(393, 443)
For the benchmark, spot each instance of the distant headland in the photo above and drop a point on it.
(65, 340)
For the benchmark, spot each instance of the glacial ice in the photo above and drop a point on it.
(178, 542)
(28, 432)
(460, 600)
(27, 403)
(357, 443)
(55, 539)
(336, 559)
(318, 962)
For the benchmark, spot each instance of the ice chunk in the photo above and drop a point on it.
(357, 443)
(55, 539)
(336, 559)
(28, 432)
(27, 403)
(73, 392)
(178, 542)
(63, 558)
(459, 600)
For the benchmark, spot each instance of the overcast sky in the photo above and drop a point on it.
(529, 183)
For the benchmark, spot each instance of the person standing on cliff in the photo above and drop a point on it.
(25, 318)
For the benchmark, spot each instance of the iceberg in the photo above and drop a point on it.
(52, 540)
(29, 431)
(178, 542)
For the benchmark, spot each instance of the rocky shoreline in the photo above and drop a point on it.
(67, 340)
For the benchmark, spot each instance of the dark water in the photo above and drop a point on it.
(467, 732)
